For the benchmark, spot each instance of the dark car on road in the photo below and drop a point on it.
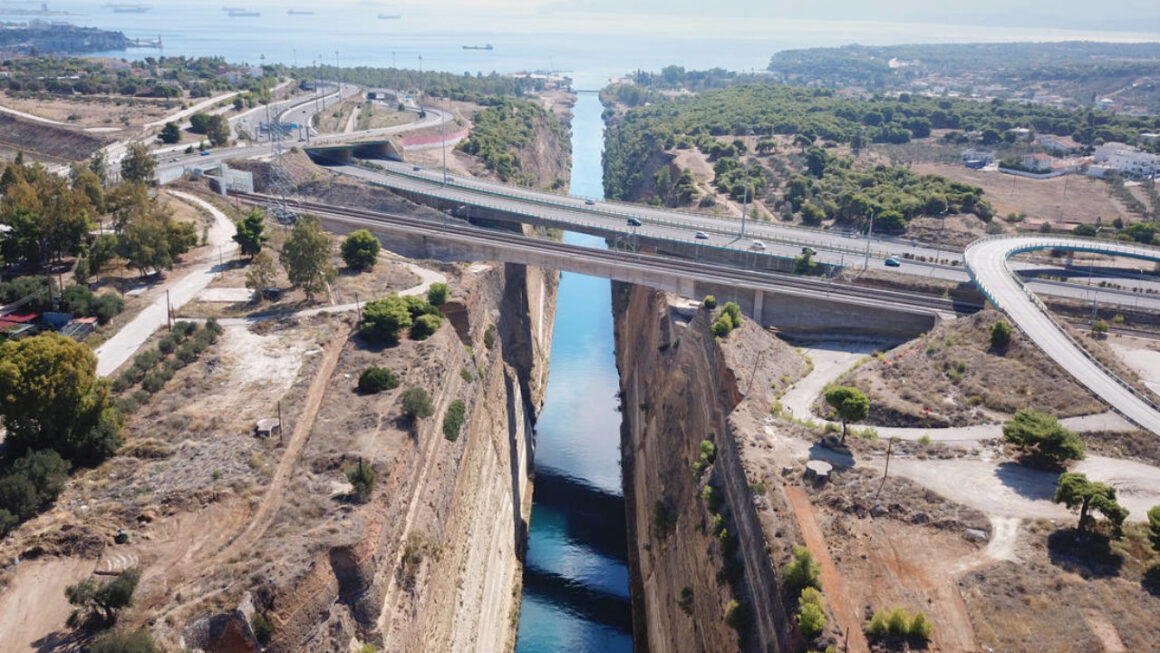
(633, 222)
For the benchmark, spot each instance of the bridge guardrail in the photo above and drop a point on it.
(820, 233)
(1066, 243)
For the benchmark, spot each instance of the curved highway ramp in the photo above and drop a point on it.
(986, 262)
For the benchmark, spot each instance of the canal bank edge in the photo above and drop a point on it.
(686, 567)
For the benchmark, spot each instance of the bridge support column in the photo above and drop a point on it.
(686, 287)
(758, 305)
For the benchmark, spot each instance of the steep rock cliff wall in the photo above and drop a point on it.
(679, 389)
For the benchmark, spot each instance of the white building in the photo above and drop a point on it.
(1127, 160)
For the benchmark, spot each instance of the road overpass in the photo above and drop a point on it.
(793, 304)
(986, 262)
(674, 232)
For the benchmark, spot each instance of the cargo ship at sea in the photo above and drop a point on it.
(242, 13)
(300, 12)
(479, 47)
(389, 16)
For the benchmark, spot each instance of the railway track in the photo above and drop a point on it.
(459, 231)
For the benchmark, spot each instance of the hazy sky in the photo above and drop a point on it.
(1130, 15)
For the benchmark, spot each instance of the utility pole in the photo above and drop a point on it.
(745, 195)
(869, 238)
(421, 86)
(443, 135)
(168, 311)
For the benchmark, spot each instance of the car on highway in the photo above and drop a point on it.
(757, 244)
(701, 235)
(590, 202)
(633, 222)
(205, 153)
(893, 262)
(416, 168)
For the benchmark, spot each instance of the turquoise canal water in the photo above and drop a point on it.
(576, 576)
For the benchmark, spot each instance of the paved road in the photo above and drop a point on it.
(118, 349)
(846, 249)
(987, 261)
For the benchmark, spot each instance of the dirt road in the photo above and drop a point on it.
(849, 619)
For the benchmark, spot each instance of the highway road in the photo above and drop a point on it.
(986, 261)
(846, 249)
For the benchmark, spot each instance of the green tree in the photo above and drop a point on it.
(1100, 329)
(425, 326)
(218, 130)
(261, 274)
(1154, 527)
(416, 403)
(850, 404)
(122, 641)
(31, 485)
(816, 161)
(437, 294)
(453, 420)
(362, 477)
(53, 399)
(170, 133)
(138, 165)
(382, 319)
(812, 215)
(199, 123)
(152, 240)
(802, 571)
(104, 600)
(360, 250)
(1000, 335)
(376, 379)
(811, 621)
(306, 254)
(1075, 491)
(250, 234)
(1042, 434)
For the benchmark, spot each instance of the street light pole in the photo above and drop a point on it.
(869, 239)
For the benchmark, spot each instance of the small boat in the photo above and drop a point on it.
(299, 12)
(389, 16)
(242, 13)
(479, 47)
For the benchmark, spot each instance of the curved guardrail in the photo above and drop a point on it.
(1072, 244)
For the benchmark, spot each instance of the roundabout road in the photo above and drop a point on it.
(986, 262)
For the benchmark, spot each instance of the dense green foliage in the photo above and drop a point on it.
(360, 250)
(100, 602)
(501, 131)
(376, 379)
(262, 626)
(801, 572)
(198, 76)
(30, 485)
(170, 133)
(1078, 493)
(898, 623)
(1077, 70)
(250, 234)
(453, 420)
(416, 403)
(850, 404)
(382, 319)
(811, 617)
(138, 166)
(153, 368)
(122, 641)
(1000, 335)
(362, 478)
(1041, 434)
(437, 294)
(80, 301)
(478, 88)
(47, 216)
(306, 254)
(1154, 527)
(53, 399)
(892, 195)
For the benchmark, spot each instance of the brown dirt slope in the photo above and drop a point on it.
(45, 141)
(950, 377)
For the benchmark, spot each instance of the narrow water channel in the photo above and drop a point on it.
(576, 575)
